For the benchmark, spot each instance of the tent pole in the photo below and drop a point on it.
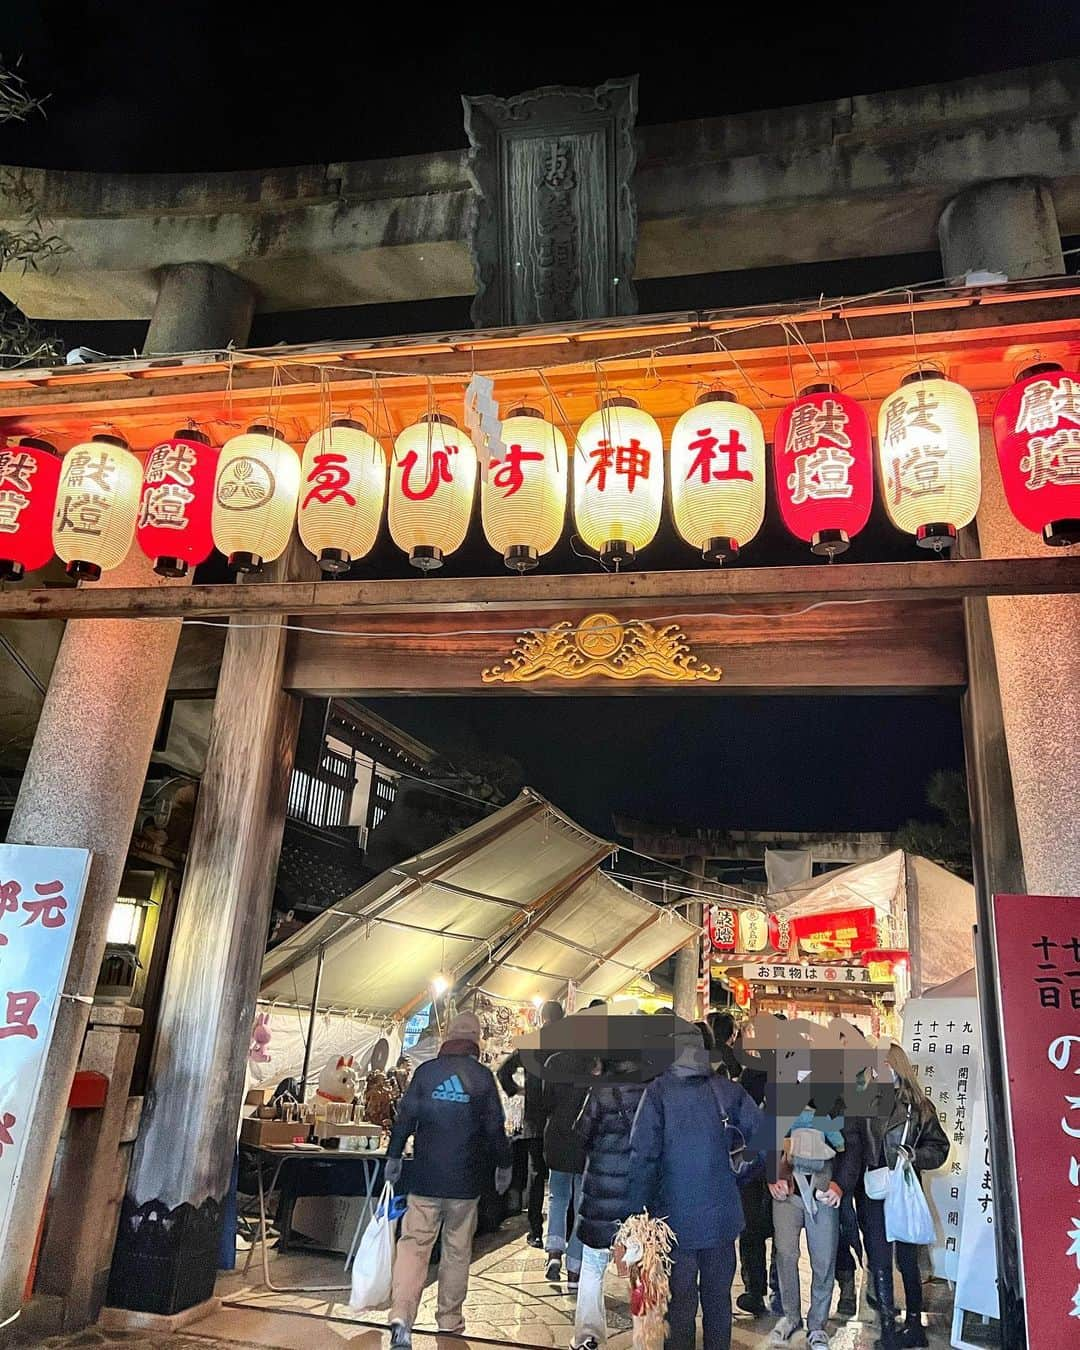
(311, 1020)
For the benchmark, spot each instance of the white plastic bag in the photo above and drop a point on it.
(876, 1183)
(907, 1215)
(373, 1268)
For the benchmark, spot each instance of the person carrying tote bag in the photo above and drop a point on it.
(896, 1149)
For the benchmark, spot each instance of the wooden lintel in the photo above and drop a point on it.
(930, 580)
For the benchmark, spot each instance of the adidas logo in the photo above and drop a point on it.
(451, 1090)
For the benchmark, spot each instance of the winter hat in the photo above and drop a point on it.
(465, 1027)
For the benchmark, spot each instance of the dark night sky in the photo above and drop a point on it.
(709, 760)
(203, 85)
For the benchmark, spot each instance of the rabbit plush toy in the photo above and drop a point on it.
(260, 1039)
(339, 1081)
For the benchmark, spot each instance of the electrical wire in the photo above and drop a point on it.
(565, 627)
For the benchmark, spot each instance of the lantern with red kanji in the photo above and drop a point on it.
(29, 473)
(1037, 434)
(618, 480)
(723, 928)
(718, 475)
(173, 528)
(823, 456)
(342, 494)
(432, 489)
(523, 495)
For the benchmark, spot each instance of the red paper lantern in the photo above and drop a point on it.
(823, 456)
(29, 474)
(723, 928)
(177, 498)
(780, 934)
(1037, 434)
(740, 992)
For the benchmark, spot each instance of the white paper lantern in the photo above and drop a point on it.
(928, 458)
(753, 930)
(432, 487)
(342, 494)
(255, 493)
(717, 475)
(523, 498)
(97, 504)
(618, 480)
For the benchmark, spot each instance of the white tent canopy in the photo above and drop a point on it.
(516, 900)
(875, 885)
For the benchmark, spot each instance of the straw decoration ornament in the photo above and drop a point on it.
(643, 1247)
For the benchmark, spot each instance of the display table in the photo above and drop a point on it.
(300, 1171)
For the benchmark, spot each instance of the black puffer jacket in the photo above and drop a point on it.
(564, 1096)
(604, 1130)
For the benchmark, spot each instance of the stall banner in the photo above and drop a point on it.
(41, 894)
(843, 930)
(1038, 947)
(976, 1268)
(782, 973)
(941, 1037)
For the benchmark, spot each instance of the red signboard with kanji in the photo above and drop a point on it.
(41, 891)
(1038, 943)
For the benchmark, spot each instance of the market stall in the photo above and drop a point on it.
(854, 943)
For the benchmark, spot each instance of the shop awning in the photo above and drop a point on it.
(514, 906)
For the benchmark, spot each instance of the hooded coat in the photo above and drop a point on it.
(604, 1130)
(563, 1150)
(680, 1163)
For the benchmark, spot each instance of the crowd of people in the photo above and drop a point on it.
(606, 1141)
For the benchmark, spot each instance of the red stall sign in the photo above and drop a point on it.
(852, 930)
(1038, 943)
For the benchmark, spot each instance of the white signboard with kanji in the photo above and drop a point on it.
(41, 892)
(941, 1037)
(976, 1270)
(783, 973)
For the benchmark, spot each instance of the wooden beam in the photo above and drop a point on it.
(914, 646)
(809, 584)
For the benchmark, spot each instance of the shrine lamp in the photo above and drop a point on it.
(432, 487)
(823, 458)
(618, 480)
(97, 503)
(173, 526)
(717, 474)
(342, 494)
(1037, 434)
(928, 458)
(258, 481)
(523, 494)
(29, 474)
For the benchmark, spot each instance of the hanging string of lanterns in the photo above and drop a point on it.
(188, 498)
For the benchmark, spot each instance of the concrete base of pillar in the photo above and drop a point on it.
(123, 1319)
(1009, 226)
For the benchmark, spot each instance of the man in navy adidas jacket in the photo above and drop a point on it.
(453, 1112)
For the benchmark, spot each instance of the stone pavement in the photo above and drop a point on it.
(510, 1303)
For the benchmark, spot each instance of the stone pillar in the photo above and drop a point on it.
(166, 1255)
(200, 306)
(1008, 226)
(1037, 645)
(81, 789)
(688, 959)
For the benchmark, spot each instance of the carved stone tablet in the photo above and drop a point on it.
(554, 227)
